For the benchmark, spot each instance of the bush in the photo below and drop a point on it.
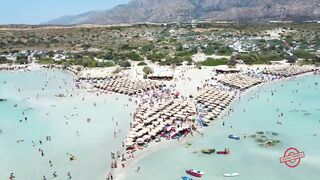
(4, 60)
(116, 71)
(147, 70)
(124, 64)
(106, 64)
(134, 56)
(22, 59)
(214, 62)
(142, 64)
(226, 51)
(183, 53)
(209, 50)
(46, 61)
(303, 54)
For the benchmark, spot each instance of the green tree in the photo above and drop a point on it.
(134, 56)
(124, 64)
(22, 59)
(3, 60)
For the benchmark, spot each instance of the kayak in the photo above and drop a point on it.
(222, 152)
(186, 178)
(231, 174)
(231, 136)
(194, 173)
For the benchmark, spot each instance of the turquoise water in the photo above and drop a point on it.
(259, 110)
(64, 120)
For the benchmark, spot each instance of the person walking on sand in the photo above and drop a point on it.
(138, 169)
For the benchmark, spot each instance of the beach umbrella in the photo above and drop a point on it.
(133, 135)
(129, 144)
(139, 134)
(150, 126)
(140, 140)
(153, 133)
(146, 137)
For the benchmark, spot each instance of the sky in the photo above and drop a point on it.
(39, 11)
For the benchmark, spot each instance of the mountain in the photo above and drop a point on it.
(159, 11)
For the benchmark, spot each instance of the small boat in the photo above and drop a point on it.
(231, 136)
(231, 174)
(195, 173)
(224, 152)
(221, 152)
(208, 151)
(186, 178)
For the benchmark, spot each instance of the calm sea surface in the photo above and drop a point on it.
(64, 119)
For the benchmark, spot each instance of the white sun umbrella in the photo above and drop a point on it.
(160, 119)
(129, 144)
(150, 126)
(134, 123)
(159, 128)
(156, 122)
(215, 112)
(139, 126)
(132, 136)
(153, 132)
(144, 130)
(180, 112)
(145, 137)
(139, 115)
(168, 121)
(139, 133)
(148, 120)
(175, 115)
(140, 140)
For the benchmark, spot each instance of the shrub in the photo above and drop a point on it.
(4, 60)
(147, 70)
(124, 64)
(22, 59)
(116, 71)
(46, 61)
(304, 54)
(134, 56)
(142, 64)
(214, 62)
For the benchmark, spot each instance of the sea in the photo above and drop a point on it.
(286, 112)
(45, 112)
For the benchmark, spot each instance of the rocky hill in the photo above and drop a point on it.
(160, 11)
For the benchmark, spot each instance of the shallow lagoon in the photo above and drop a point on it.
(258, 110)
(47, 116)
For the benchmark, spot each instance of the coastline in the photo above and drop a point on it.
(120, 173)
(153, 147)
